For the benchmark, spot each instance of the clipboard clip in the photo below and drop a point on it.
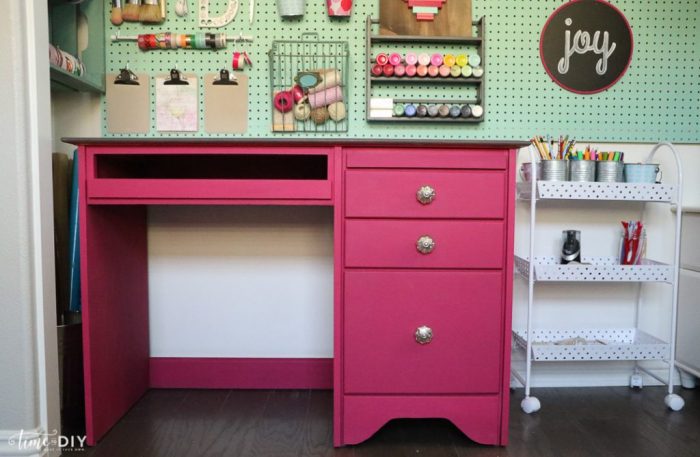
(225, 79)
(126, 76)
(176, 79)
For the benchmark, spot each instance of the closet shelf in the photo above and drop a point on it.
(616, 191)
(600, 344)
(596, 269)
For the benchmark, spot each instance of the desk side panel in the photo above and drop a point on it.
(114, 279)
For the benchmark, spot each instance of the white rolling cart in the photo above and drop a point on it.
(615, 344)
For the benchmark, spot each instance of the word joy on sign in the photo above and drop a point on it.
(586, 46)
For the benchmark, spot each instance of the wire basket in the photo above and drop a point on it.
(308, 85)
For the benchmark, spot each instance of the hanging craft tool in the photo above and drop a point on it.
(207, 21)
(116, 14)
(131, 10)
(181, 8)
(168, 40)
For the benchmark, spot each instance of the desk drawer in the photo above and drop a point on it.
(394, 193)
(392, 243)
(383, 311)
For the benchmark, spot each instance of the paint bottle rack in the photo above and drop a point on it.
(454, 88)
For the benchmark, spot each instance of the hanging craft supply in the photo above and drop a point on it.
(131, 10)
(116, 14)
(168, 40)
(205, 20)
(128, 102)
(181, 8)
(150, 12)
(240, 60)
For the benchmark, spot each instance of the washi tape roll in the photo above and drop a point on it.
(326, 97)
(388, 70)
(444, 71)
(395, 58)
(456, 71)
(474, 60)
(399, 70)
(240, 60)
(461, 60)
(436, 59)
(433, 71)
(449, 60)
(478, 72)
(410, 70)
(409, 110)
(382, 59)
(424, 59)
(421, 70)
(411, 58)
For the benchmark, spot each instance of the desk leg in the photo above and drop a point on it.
(114, 275)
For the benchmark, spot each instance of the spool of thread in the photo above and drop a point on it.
(444, 71)
(423, 59)
(319, 115)
(283, 101)
(477, 110)
(329, 78)
(449, 60)
(455, 71)
(436, 59)
(399, 70)
(455, 111)
(478, 72)
(466, 71)
(297, 93)
(465, 111)
(115, 16)
(377, 69)
(410, 70)
(461, 60)
(130, 12)
(302, 111)
(474, 60)
(432, 110)
(399, 109)
(433, 71)
(388, 70)
(149, 13)
(337, 111)
(395, 58)
(422, 70)
(421, 111)
(326, 97)
(443, 110)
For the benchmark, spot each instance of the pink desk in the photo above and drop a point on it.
(422, 273)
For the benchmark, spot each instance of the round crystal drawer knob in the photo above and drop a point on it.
(425, 244)
(424, 334)
(425, 195)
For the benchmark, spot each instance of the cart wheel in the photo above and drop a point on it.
(675, 402)
(530, 405)
(636, 381)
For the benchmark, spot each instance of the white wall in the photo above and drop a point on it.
(28, 359)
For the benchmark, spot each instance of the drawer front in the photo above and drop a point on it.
(457, 194)
(383, 310)
(392, 243)
(427, 157)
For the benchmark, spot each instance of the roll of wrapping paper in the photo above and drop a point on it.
(167, 40)
(326, 97)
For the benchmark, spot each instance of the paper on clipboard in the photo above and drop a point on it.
(128, 105)
(226, 105)
(176, 105)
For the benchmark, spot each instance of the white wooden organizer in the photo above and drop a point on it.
(543, 345)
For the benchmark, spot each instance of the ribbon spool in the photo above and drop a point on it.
(283, 101)
(240, 60)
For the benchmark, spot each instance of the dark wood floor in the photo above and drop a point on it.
(581, 422)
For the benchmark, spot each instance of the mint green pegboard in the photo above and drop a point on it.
(657, 99)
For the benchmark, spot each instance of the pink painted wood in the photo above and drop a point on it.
(382, 193)
(392, 243)
(240, 373)
(114, 292)
(383, 309)
(428, 157)
(477, 416)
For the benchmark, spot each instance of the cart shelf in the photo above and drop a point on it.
(615, 191)
(596, 269)
(601, 344)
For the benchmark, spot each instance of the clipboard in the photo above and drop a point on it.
(128, 102)
(177, 106)
(226, 102)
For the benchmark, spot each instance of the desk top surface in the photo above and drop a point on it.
(98, 141)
